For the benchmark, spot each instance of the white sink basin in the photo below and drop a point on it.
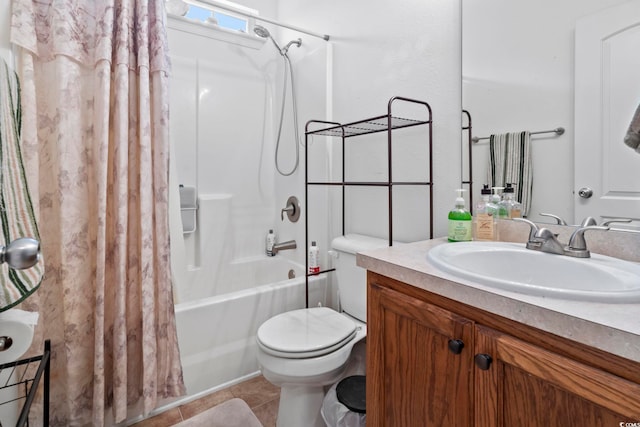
(512, 267)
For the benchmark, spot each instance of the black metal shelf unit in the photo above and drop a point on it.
(469, 129)
(383, 123)
(27, 381)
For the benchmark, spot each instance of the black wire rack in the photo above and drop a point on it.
(469, 128)
(25, 375)
(382, 123)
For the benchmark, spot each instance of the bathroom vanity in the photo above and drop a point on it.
(445, 351)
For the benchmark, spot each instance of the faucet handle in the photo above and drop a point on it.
(588, 221)
(559, 220)
(620, 220)
(577, 246)
(534, 228)
(292, 209)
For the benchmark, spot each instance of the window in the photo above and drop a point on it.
(216, 19)
(220, 18)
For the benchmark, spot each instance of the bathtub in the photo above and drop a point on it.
(217, 334)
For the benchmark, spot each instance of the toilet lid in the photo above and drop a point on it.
(307, 332)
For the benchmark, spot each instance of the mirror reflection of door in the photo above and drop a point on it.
(607, 93)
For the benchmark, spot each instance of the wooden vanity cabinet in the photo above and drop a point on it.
(414, 378)
(506, 374)
(528, 386)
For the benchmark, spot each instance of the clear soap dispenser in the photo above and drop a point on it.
(496, 199)
(485, 225)
(512, 208)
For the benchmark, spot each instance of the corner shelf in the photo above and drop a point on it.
(383, 123)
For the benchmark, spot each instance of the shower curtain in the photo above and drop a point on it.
(95, 140)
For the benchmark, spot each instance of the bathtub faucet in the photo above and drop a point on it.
(290, 244)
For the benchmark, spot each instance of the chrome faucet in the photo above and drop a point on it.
(544, 240)
(289, 244)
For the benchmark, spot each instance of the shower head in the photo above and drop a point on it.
(265, 34)
(261, 31)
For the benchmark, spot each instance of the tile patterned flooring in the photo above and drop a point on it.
(261, 396)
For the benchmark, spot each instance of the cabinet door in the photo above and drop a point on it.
(414, 378)
(527, 386)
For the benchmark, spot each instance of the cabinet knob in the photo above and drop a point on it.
(483, 361)
(456, 346)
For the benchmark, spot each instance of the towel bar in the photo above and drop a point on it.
(557, 131)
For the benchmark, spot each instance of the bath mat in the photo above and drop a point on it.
(232, 413)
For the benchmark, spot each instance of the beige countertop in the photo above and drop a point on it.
(614, 328)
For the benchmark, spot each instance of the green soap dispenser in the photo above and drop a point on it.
(459, 221)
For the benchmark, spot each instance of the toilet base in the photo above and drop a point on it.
(300, 406)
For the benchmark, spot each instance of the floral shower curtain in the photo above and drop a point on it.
(95, 139)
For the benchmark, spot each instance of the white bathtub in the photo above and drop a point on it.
(217, 334)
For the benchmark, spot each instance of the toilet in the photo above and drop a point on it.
(304, 350)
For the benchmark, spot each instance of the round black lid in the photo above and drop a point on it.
(351, 393)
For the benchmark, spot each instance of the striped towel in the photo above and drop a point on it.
(510, 162)
(632, 137)
(16, 209)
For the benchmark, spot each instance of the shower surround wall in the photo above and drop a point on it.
(221, 126)
(225, 110)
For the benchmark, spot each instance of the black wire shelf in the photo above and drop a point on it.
(372, 125)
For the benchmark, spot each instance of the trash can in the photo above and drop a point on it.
(344, 404)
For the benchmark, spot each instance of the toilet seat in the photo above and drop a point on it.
(305, 333)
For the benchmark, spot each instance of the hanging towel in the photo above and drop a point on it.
(16, 210)
(510, 162)
(632, 138)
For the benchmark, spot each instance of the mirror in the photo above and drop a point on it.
(518, 67)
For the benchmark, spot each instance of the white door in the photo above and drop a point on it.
(607, 93)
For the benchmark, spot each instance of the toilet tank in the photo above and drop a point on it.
(352, 280)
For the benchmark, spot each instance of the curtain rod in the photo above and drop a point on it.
(214, 5)
(557, 131)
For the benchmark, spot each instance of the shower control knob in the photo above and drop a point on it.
(585, 192)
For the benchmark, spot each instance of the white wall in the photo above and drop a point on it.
(518, 74)
(383, 49)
